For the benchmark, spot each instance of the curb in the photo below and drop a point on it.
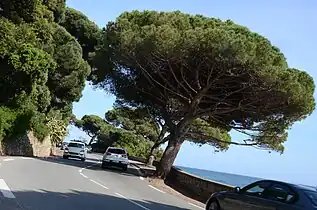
(141, 171)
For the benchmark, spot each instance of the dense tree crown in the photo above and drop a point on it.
(190, 67)
(43, 70)
(123, 127)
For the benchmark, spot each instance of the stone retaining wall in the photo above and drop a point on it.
(192, 186)
(27, 145)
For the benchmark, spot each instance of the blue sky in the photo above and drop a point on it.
(289, 24)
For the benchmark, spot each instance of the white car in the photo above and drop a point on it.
(75, 150)
(117, 157)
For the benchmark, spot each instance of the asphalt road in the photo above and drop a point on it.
(55, 184)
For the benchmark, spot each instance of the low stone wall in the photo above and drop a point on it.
(192, 186)
(27, 145)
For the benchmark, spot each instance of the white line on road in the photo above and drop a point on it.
(135, 203)
(141, 178)
(5, 189)
(80, 170)
(97, 183)
(156, 189)
(83, 175)
(196, 206)
(26, 158)
(8, 159)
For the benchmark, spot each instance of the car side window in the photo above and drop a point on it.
(280, 192)
(255, 189)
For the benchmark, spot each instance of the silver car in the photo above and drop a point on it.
(117, 157)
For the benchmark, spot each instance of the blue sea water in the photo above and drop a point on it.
(226, 178)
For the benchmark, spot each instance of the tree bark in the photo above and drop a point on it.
(160, 140)
(168, 158)
(92, 139)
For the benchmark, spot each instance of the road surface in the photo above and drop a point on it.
(55, 184)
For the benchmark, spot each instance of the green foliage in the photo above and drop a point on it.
(91, 124)
(191, 67)
(86, 32)
(7, 118)
(123, 127)
(57, 126)
(43, 70)
(204, 132)
(134, 144)
(136, 120)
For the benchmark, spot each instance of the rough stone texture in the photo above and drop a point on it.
(27, 145)
(192, 186)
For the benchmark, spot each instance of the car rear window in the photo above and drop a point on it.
(116, 151)
(312, 196)
(75, 145)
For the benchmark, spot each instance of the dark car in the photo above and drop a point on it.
(265, 194)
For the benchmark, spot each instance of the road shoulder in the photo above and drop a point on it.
(159, 183)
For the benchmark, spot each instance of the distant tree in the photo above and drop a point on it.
(194, 69)
(93, 125)
(142, 121)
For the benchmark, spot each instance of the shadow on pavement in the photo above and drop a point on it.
(77, 200)
(90, 164)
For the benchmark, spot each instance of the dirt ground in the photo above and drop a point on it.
(159, 183)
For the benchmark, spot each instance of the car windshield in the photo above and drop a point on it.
(76, 145)
(116, 151)
(312, 196)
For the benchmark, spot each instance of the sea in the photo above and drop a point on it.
(226, 178)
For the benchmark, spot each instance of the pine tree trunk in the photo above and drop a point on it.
(152, 150)
(92, 139)
(168, 158)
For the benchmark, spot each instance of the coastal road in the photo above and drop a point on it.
(55, 183)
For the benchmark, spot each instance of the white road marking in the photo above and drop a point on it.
(26, 158)
(97, 183)
(80, 170)
(5, 189)
(141, 178)
(196, 206)
(135, 203)
(8, 159)
(83, 175)
(156, 189)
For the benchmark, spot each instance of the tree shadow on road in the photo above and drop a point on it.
(90, 164)
(78, 200)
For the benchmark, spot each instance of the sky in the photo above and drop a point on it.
(289, 25)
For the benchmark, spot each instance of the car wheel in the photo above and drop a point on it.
(214, 205)
(83, 159)
(65, 157)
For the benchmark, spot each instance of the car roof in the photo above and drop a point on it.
(116, 148)
(305, 187)
(298, 186)
(78, 142)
